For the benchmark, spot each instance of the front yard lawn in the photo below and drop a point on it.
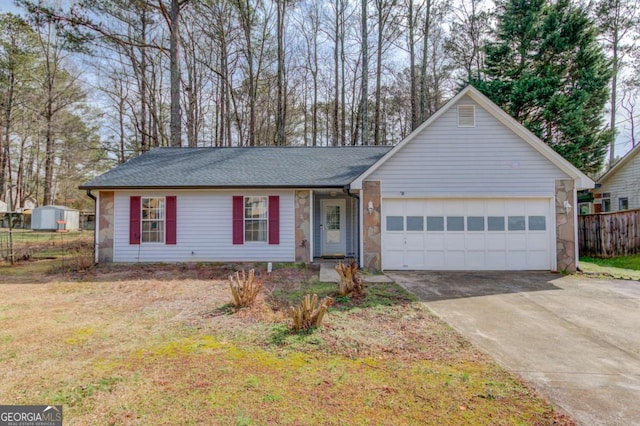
(160, 344)
(627, 267)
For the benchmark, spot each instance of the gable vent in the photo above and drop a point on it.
(466, 116)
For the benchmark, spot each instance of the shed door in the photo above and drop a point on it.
(467, 234)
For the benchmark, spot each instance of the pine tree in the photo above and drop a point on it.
(546, 69)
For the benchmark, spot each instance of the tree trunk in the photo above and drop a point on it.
(612, 117)
(423, 66)
(365, 76)
(343, 61)
(380, 30)
(336, 76)
(412, 69)
(174, 65)
(281, 103)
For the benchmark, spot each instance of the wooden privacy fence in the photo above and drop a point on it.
(609, 234)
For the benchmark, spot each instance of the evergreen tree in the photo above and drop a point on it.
(546, 69)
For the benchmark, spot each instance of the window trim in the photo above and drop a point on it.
(620, 200)
(265, 219)
(163, 220)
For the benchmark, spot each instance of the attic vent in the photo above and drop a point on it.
(466, 116)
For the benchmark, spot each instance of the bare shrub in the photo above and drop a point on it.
(244, 288)
(310, 312)
(350, 281)
(82, 261)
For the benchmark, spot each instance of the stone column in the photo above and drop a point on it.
(303, 226)
(372, 255)
(566, 225)
(105, 226)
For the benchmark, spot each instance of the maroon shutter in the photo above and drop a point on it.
(171, 216)
(274, 219)
(134, 220)
(238, 219)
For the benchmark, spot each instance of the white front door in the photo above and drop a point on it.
(332, 227)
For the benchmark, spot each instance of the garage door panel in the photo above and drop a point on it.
(496, 241)
(537, 259)
(517, 259)
(393, 260)
(468, 234)
(476, 241)
(537, 242)
(516, 241)
(496, 259)
(455, 259)
(434, 241)
(455, 241)
(434, 260)
(476, 259)
(415, 259)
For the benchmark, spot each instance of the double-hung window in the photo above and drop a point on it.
(256, 223)
(623, 203)
(606, 202)
(153, 219)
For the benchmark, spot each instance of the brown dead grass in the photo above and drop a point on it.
(160, 344)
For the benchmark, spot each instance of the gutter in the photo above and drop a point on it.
(347, 190)
(95, 231)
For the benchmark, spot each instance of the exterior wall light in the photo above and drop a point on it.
(370, 207)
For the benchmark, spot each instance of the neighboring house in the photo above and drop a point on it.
(619, 188)
(469, 189)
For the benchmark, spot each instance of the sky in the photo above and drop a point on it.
(623, 144)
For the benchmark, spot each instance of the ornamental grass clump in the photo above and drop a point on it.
(244, 288)
(351, 283)
(310, 312)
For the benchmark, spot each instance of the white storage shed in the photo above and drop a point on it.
(46, 218)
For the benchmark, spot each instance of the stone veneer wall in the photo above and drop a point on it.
(565, 226)
(105, 226)
(303, 226)
(372, 255)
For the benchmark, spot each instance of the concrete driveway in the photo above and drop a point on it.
(577, 340)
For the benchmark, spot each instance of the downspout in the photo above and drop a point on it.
(95, 231)
(347, 190)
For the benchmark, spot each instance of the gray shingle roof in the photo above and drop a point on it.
(283, 167)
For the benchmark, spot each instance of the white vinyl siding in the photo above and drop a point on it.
(624, 183)
(448, 160)
(204, 229)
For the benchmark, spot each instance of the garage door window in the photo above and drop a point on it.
(475, 223)
(537, 223)
(395, 223)
(455, 223)
(495, 223)
(516, 223)
(415, 223)
(435, 223)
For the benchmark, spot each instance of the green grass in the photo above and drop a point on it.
(377, 294)
(22, 236)
(627, 267)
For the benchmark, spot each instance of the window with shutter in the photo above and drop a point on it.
(256, 219)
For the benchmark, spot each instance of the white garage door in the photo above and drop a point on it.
(467, 234)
